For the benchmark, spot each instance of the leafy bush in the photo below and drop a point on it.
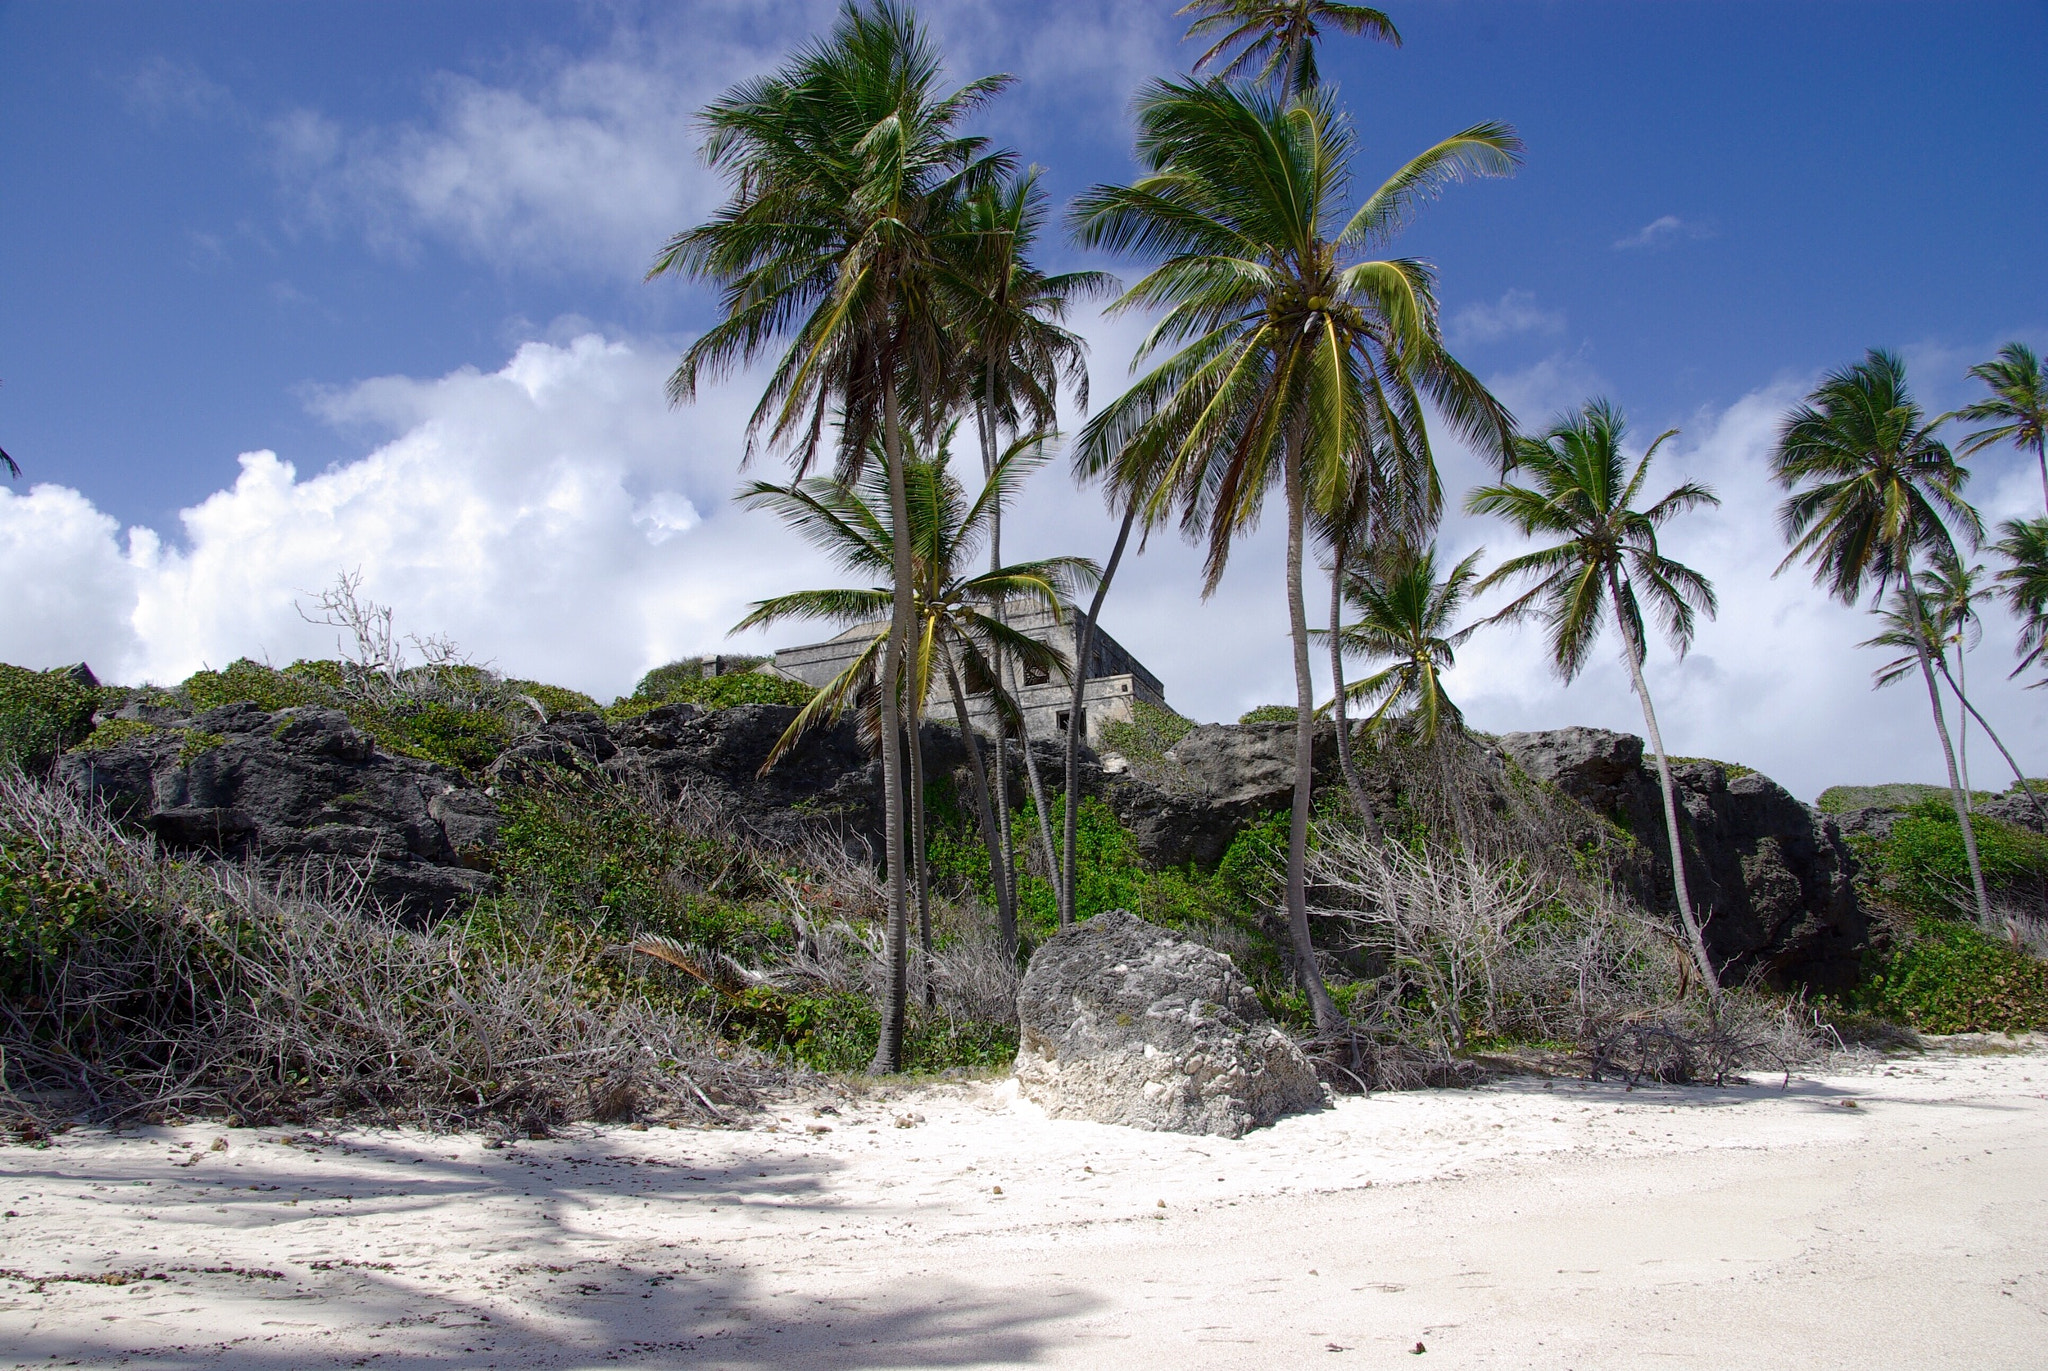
(41, 714)
(660, 684)
(717, 692)
(1921, 867)
(266, 687)
(1955, 978)
(1270, 714)
(1149, 733)
(554, 699)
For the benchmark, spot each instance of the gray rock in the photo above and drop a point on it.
(1772, 877)
(300, 786)
(1121, 1022)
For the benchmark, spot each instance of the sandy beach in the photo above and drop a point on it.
(1890, 1215)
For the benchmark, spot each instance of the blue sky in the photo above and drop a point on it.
(332, 232)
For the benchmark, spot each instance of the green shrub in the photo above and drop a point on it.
(1955, 978)
(115, 732)
(717, 692)
(41, 714)
(1270, 714)
(245, 681)
(1149, 733)
(554, 699)
(612, 866)
(1921, 866)
(467, 739)
(660, 684)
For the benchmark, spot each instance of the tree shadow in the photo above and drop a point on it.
(553, 1290)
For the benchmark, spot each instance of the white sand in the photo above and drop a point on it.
(1525, 1225)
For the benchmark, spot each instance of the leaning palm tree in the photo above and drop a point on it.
(2023, 582)
(1288, 350)
(1580, 488)
(1018, 356)
(2017, 410)
(846, 168)
(954, 609)
(1278, 36)
(1871, 490)
(1939, 627)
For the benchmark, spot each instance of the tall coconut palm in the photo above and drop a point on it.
(1289, 352)
(846, 168)
(2023, 582)
(1871, 489)
(954, 607)
(1018, 357)
(1937, 604)
(1279, 36)
(2017, 410)
(1580, 488)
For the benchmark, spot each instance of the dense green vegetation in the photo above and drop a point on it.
(41, 714)
(1920, 867)
(689, 682)
(1953, 977)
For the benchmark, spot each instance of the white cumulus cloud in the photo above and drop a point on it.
(1516, 312)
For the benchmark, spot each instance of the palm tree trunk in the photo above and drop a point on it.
(920, 862)
(1328, 1020)
(1632, 654)
(1084, 646)
(889, 1041)
(1005, 873)
(2041, 456)
(1962, 724)
(1997, 742)
(1345, 761)
(1006, 913)
(1051, 854)
(1917, 617)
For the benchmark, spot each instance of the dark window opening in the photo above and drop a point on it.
(1036, 674)
(1060, 720)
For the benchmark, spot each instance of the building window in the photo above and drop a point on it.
(1036, 674)
(1060, 720)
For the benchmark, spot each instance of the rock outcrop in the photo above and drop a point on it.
(298, 785)
(1121, 1022)
(1214, 781)
(1772, 876)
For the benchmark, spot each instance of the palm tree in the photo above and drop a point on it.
(1289, 353)
(1871, 486)
(1018, 355)
(954, 609)
(1938, 604)
(1406, 613)
(846, 169)
(1582, 490)
(1278, 34)
(2017, 410)
(2024, 584)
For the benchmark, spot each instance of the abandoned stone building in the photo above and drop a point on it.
(1115, 679)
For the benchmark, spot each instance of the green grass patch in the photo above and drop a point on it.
(1270, 714)
(1733, 770)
